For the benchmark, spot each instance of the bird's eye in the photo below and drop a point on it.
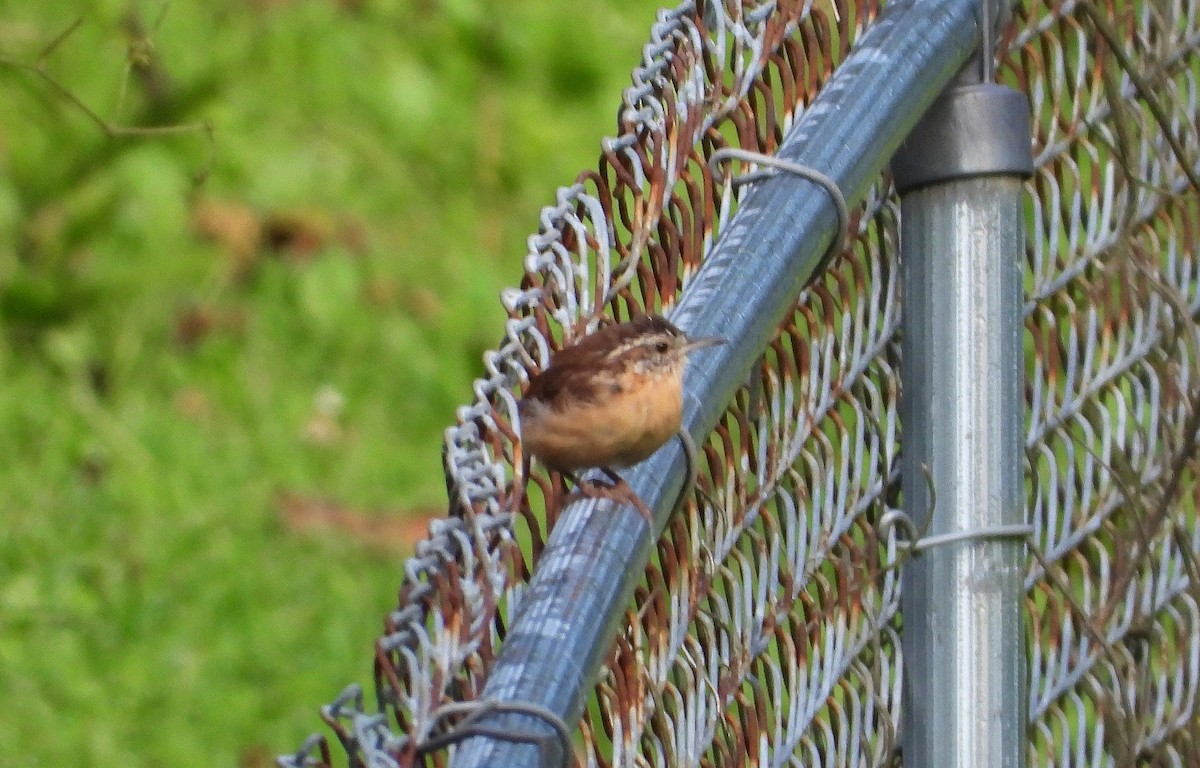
(662, 347)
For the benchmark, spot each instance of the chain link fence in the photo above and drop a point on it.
(766, 627)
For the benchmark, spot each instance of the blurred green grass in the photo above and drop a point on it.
(193, 376)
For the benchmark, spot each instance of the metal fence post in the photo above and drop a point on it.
(962, 410)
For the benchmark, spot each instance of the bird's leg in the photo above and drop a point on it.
(619, 492)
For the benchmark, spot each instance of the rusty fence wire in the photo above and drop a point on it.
(766, 629)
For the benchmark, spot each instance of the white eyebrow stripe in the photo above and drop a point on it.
(618, 351)
(640, 342)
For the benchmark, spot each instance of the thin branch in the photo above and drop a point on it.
(1117, 48)
(110, 128)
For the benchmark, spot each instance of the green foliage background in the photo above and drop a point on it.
(163, 385)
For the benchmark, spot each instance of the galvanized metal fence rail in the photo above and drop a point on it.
(765, 627)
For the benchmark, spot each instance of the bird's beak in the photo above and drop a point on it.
(701, 342)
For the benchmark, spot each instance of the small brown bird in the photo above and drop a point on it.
(610, 400)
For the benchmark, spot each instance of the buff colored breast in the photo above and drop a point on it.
(614, 430)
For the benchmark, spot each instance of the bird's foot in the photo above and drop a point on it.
(619, 492)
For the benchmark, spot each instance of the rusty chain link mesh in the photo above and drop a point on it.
(1112, 296)
(766, 630)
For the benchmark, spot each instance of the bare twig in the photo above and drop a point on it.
(112, 129)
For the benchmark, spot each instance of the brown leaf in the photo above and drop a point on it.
(192, 403)
(392, 532)
(195, 323)
(300, 233)
(234, 226)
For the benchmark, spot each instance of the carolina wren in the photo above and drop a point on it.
(610, 400)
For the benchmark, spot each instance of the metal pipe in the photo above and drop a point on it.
(596, 553)
(962, 415)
